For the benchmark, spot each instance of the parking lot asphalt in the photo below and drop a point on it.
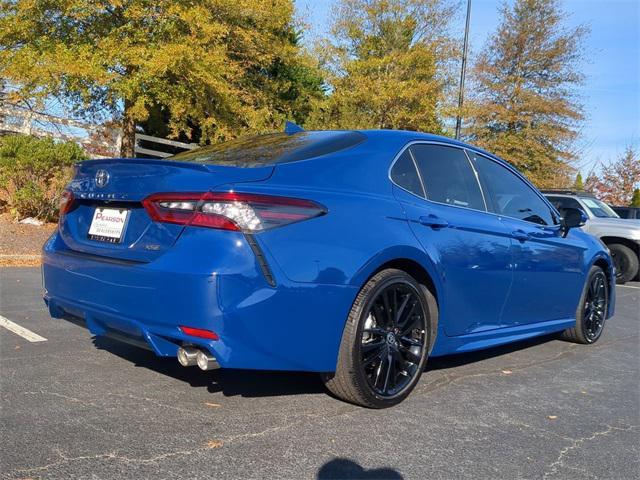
(77, 407)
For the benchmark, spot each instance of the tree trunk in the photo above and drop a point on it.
(128, 145)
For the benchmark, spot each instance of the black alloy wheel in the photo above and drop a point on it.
(385, 342)
(594, 311)
(593, 306)
(393, 339)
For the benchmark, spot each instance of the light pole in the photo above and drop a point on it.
(462, 71)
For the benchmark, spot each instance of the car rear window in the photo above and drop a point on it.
(273, 148)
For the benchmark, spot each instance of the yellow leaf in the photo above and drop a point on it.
(214, 444)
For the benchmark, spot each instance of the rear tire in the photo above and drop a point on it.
(592, 309)
(385, 341)
(626, 262)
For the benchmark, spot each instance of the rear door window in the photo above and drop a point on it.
(509, 195)
(447, 176)
(405, 175)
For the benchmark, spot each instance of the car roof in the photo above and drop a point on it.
(568, 193)
(413, 136)
(410, 135)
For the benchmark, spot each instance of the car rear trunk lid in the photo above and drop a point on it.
(119, 186)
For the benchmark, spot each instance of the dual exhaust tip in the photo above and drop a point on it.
(189, 356)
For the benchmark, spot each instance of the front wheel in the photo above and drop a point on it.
(592, 309)
(625, 261)
(385, 341)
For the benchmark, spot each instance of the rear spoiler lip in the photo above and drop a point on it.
(266, 170)
(145, 161)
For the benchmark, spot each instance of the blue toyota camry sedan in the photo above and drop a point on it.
(354, 254)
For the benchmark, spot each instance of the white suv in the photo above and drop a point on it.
(622, 236)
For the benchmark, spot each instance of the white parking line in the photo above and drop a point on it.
(18, 330)
(629, 286)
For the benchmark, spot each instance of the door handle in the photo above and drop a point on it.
(520, 235)
(433, 221)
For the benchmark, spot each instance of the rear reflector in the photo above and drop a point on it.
(245, 212)
(199, 332)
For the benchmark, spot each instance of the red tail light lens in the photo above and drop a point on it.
(66, 202)
(245, 212)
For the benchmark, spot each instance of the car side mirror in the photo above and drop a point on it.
(571, 218)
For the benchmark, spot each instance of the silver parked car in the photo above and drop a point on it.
(622, 236)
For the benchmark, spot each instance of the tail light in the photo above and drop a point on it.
(245, 212)
(66, 202)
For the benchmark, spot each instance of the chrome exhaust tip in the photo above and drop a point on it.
(206, 361)
(187, 356)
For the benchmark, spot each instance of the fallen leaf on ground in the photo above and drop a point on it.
(507, 372)
(214, 444)
(214, 405)
(552, 417)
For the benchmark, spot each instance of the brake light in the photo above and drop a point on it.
(66, 202)
(245, 212)
(199, 332)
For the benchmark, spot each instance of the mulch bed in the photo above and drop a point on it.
(20, 244)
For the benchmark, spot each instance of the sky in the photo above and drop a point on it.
(611, 91)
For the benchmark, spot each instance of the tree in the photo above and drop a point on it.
(635, 198)
(291, 86)
(618, 181)
(591, 183)
(524, 106)
(387, 65)
(217, 66)
(578, 184)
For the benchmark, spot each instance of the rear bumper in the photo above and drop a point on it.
(209, 280)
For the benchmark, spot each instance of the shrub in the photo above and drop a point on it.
(33, 173)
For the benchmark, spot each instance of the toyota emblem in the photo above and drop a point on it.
(102, 178)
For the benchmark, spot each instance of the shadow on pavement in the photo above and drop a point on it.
(257, 383)
(343, 468)
(230, 382)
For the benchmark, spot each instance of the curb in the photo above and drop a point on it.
(19, 260)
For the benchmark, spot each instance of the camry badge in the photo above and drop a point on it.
(102, 178)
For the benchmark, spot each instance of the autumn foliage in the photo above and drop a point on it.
(210, 70)
(387, 65)
(217, 68)
(619, 181)
(523, 103)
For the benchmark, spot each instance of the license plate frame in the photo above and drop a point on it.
(108, 224)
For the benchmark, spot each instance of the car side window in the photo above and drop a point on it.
(405, 175)
(564, 202)
(447, 176)
(509, 195)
